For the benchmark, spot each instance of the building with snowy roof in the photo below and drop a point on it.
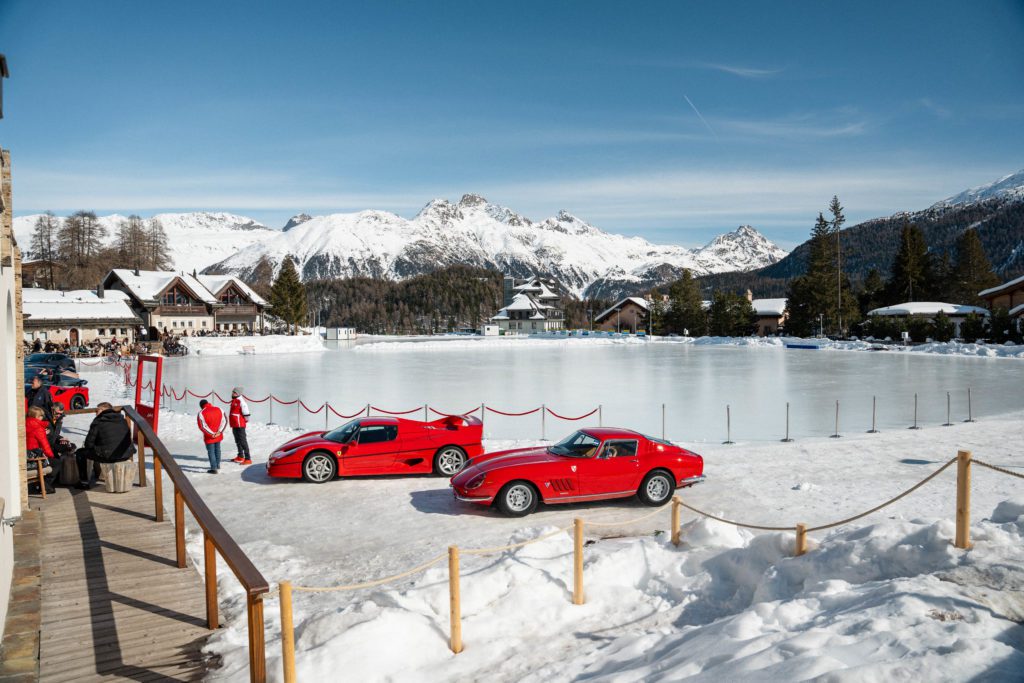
(188, 304)
(1009, 295)
(77, 316)
(927, 310)
(632, 314)
(531, 306)
(771, 315)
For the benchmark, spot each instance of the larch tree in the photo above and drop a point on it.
(44, 244)
(158, 254)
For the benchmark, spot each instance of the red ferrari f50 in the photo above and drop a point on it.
(591, 464)
(380, 445)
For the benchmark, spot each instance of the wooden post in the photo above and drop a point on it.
(179, 527)
(287, 632)
(677, 504)
(142, 456)
(728, 425)
(455, 605)
(158, 489)
(801, 539)
(836, 434)
(257, 646)
(874, 402)
(210, 571)
(577, 562)
(963, 499)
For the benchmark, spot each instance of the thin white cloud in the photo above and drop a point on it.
(742, 71)
(700, 116)
(799, 127)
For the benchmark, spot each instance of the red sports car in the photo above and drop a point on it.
(67, 389)
(380, 445)
(591, 464)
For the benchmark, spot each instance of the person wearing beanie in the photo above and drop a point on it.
(211, 423)
(238, 416)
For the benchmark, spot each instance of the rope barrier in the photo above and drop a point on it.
(563, 417)
(512, 546)
(219, 398)
(739, 524)
(206, 395)
(371, 584)
(630, 521)
(502, 412)
(310, 410)
(998, 469)
(256, 400)
(396, 412)
(344, 417)
(284, 403)
(468, 412)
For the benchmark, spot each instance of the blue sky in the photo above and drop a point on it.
(674, 121)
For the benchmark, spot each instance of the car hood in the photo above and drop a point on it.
(517, 458)
(304, 440)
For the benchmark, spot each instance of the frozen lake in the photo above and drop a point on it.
(630, 381)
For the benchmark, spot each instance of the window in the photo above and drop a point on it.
(377, 433)
(577, 445)
(204, 323)
(174, 324)
(100, 332)
(190, 323)
(619, 448)
(124, 331)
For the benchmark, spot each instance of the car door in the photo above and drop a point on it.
(372, 450)
(615, 469)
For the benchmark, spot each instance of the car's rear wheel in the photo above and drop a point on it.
(319, 467)
(77, 402)
(449, 461)
(656, 488)
(517, 499)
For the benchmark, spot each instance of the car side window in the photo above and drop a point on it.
(619, 448)
(377, 433)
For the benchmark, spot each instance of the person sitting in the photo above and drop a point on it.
(37, 445)
(109, 440)
(61, 446)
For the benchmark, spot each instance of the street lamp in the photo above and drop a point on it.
(821, 324)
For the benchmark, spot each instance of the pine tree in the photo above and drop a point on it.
(972, 271)
(685, 312)
(872, 293)
(288, 296)
(45, 244)
(731, 315)
(912, 269)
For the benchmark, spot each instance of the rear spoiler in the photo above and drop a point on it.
(450, 421)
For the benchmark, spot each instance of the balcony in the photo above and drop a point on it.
(237, 309)
(170, 309)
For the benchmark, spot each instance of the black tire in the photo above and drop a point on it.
(517, 498)
(656, 488)
(319, 467)
(449, 461)
(77, 402)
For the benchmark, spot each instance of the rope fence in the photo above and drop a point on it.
(962, 541)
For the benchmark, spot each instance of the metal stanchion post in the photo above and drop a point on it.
(662, 421)
(948, 406)
(970, 408)
(915, 414)
(543, 422)
(728, 425)
(873, 429)
(836, 435)
(787, 439)
(271, 401)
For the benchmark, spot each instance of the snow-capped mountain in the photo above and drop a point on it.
(1009, 187)
(196, 239)
(297, 219)
(476, 232)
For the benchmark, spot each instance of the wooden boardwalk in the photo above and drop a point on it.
(114, 605)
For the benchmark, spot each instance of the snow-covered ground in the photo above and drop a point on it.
(881, 599)
(270, 343)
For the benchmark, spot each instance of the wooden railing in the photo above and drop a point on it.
(237, 309)
(216, 539)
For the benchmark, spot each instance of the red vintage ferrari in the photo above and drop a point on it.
(591, 464)
(380, 445)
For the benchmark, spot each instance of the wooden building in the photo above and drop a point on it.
(77, 316)
(632, 314)
(1009, 295)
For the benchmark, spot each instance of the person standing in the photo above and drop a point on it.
(238, 416)
(212, 423)
(39, 396)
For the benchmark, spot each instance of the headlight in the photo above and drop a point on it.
(476, 482)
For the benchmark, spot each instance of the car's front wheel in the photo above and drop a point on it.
(77, 402)
(449, 461)
(319, 467)
(656, 488)
(517, 499)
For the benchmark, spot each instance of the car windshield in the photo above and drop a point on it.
(343, 433)
(576, 445)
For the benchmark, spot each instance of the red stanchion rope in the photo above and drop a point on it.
(502, 412)
(563, 417)
(468, 412)
(344, 417)
(218, 397)
(395, 412)
(176, 397)
(284, 403)
(310, 410)
(257, 400)
(206, 395)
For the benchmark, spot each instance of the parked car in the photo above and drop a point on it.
(67, 390)
(380, 445)
(590, 464)
(59, 361)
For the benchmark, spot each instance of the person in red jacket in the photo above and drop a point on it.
(238, 415)
(37, 443)
(212, 423)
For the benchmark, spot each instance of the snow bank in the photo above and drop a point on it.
(476, 343)
(229, 346)
(944, 348)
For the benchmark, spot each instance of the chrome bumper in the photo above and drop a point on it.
(690, 481)
(472, 499)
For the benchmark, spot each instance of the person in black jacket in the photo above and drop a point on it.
(38, 395)
(109, 440)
